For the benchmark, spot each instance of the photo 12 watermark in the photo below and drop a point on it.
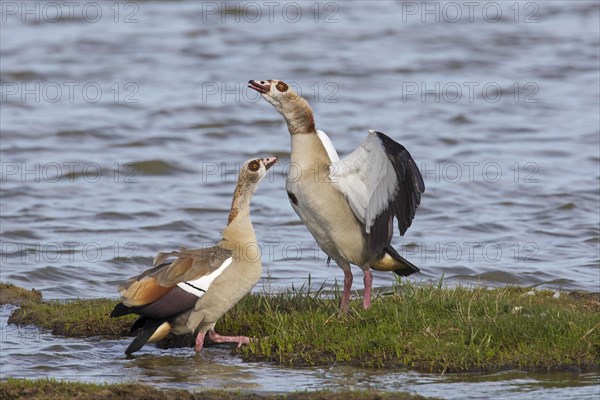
(270, 11)
(69, 11)
(67, 172)
(518, 172)
(269, 252)
(480, 252)
(67, 252)
(475, 171)
(69, 92)
(453, 12)
(450, 252)
(23, 334)
(469, 92)
(239, 92)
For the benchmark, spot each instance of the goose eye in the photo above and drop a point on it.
(282, 86)
(254, 166)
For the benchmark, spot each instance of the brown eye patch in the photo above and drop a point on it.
(282, 86)
(254, 166)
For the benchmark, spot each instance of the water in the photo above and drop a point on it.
(122, 130)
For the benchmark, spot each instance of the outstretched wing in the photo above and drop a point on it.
(381, 181)
(173, 287)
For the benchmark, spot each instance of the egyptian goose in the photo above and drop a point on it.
(348, 205)
(200, 285)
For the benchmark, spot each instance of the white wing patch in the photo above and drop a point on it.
(367, 178)
(331, 152)
(199, 286)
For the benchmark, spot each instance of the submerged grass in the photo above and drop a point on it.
(424, 327)
(50, 389)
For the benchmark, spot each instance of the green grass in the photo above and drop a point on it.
(76, 318)
(423, 327)
(50, 389)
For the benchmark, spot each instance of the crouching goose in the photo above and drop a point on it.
(200, 285)
(348, 205)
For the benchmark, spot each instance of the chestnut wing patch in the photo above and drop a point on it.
(190, 265)
(174, 302)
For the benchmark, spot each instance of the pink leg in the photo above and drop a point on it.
(345, 302)
(200, 341)
(240, 340)
(368, 281)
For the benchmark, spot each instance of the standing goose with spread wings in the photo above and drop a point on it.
(191, 292)
(348, 205)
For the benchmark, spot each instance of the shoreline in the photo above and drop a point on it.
(50, 389)
(425, 328)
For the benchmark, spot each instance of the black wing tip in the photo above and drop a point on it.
(139, 341)
(390, 144)
(120, 310)
(408, 174)
(135, 346)
(150, 326)
(138, 324)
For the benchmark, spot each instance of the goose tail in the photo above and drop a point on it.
(390, 260)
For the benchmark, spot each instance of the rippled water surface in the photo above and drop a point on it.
(122, 129)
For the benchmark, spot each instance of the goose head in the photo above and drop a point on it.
(254, 170)
(279, 94)
(294, 109)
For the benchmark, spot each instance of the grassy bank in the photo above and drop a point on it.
(423, 327)
(11, 294)
(76, 318)
(427, 328)
(49, 389)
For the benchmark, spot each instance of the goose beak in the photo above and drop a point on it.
(261, 87)
(269, 162)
